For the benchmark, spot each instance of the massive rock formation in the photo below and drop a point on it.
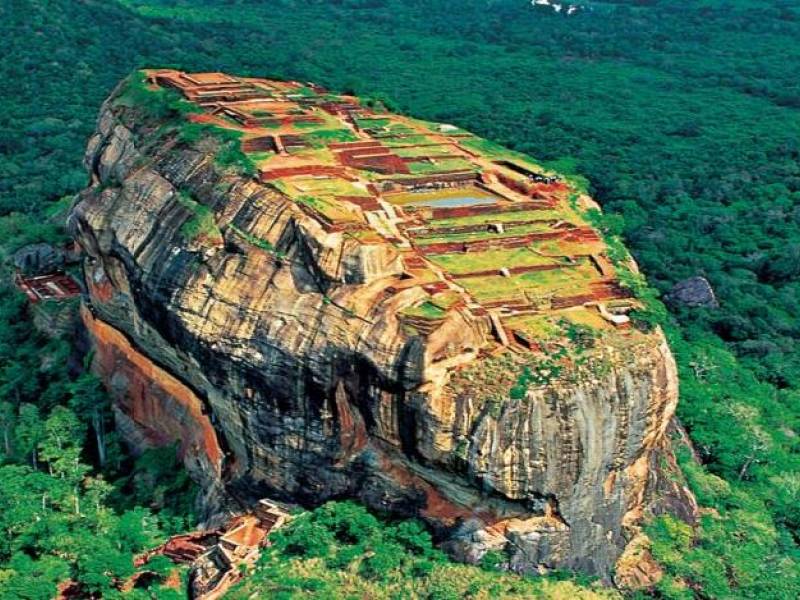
(272, 352)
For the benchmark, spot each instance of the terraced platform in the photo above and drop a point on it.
(479, 228)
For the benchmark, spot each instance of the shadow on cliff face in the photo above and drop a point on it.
(410, 367)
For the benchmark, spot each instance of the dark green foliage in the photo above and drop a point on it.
(683, 115)
(167, 109)
(157, 480)
(257, 242)
(230, 154)
(493, 560)
(582, 337)
(538, 374)
(201, 220)
(345, 533)
(747, 545)
(520, 388)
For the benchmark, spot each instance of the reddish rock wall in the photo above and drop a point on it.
(164, 409)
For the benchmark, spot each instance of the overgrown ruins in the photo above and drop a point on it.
(477, 228)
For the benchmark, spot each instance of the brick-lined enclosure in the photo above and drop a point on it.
(511, 271)
(48, 287)
(450, 212)
(576, 234)
(601, 291)
(271, 174)
(260, 144)
(367, 203)
(379, 159)
(429, 231)
(371, 156)
(440, 180)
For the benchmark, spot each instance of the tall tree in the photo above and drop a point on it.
(8, 419)
(90, 403)
(28, 432)
(61, 448)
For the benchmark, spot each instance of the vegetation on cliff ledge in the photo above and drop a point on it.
(167, 110)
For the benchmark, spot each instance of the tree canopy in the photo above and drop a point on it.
(683, 115)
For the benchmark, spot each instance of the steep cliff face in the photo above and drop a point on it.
(269, 348)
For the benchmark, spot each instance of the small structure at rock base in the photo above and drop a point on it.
(216, 556)
(40, 275)
(182, 549)
(218, 568)
(55, 286)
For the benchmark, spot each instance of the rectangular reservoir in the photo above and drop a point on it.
(446, 198)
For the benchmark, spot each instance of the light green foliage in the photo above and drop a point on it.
(426, 310)
(157, 104)
(58, 526)
(256, 241)
(322, 137)
(201, 222)
(60, 515)
(311, 201)
(439, 166)
(348, 537)
(341, 551)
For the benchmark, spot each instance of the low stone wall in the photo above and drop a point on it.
(511, 242)
(486, 209)
(312, 170)
(511, 271)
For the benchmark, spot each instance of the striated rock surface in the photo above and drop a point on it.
(270, 350)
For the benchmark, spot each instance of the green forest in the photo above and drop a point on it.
(682, 115)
